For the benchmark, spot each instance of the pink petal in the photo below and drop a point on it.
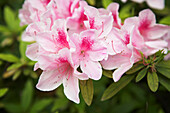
(106, 26)
(98, 52)
(157, 44)
(120, 71)
(114, 7)
(27, 38)
(124, 1)
(114, 61)
(32, 51)
(45, 41)
(157, 4)
(49, 80)
(81, 76)
(156, 31)
(92, 69)
(59, 24)
(146, 19)
(71, 89)
(138, 1)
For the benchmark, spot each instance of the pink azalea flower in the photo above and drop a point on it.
(150, 31)
(89, 50)
(156, 4)
(60, 70)
(122, 53)
(56, 39)
(102, 23)
(61, 9)
(75, 24)
(35, 28)
(32, 10)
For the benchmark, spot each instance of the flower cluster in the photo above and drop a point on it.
(70, 35)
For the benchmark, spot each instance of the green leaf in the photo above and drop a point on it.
(22, 49)
(63, 102)
(126, 11)
(39, 105)
(107, 73)
(9, 18)
(13, 107)
(3, 91)
(141, 74)
(153, 81)
(16, 75)
(164, 71)
(7, 42)
(135, 68)
(165, 82)
(105, 3)
(91, 2)
(4, 29)
(164, 64)
(115, 87)
(27, 94)
(165, 20)
(8, 74)
(9, 57)
(87, 90)
(14, 66)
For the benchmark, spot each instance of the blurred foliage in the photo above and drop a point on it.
(18, 80)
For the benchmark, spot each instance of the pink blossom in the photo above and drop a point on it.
(32, 10)
(156, 4)
(102, 23)
(151, 32)
(122, 53)
(89, 50)
(61, 9)
(75, 23)
(60, 70)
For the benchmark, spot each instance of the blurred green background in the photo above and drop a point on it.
(18, 80)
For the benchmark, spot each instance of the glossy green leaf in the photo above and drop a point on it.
(105, 3)
(165, 20)
(27, 94)
(115, 87)
(9, 58)
(39, 105)
(107, 73)
(164, 71)
(141, 74)
(87, 90)
(153, 81)
(135, 68)
(164, 64)
(3, 91)
(165, 82)
(14, 66)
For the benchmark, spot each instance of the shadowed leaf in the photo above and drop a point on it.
(87, 90)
